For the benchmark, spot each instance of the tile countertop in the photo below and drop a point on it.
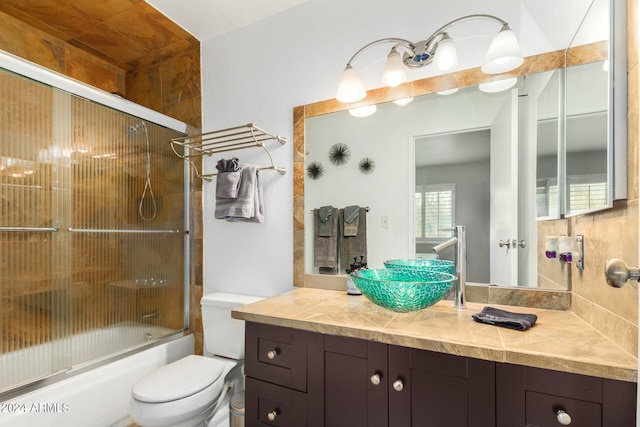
(559, 341)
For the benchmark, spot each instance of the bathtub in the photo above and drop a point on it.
(97, 396)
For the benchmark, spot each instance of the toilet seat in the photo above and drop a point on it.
(181, 392)
(178, 380)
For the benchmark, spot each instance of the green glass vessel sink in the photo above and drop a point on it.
(403, 290)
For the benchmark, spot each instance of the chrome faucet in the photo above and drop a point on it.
(460, 240)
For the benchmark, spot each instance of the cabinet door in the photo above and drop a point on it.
(533, 397)
(355, 383)
(437, 389)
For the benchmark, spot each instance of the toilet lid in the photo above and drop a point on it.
(179, 379)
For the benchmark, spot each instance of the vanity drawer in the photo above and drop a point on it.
(272, 405)
(542, 411)
(277, 355)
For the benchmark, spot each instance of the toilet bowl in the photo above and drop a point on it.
(196, 389)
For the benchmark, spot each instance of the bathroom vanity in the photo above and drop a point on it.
(323, 358)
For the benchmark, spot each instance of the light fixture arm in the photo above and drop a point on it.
(401, 42)
(440, 30)
(429, 41)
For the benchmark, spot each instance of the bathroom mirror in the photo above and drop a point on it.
(470, 152)
(393, 231)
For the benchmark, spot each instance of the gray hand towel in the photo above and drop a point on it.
(325, 249)
(248, 206)
(505, 319)
(228, 165)
(228, 184)
(353, 246)
(351, 220)
(325, 228)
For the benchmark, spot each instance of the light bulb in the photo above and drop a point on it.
(351, 88)
(393, 73)
(446, 55)
(365, 111)
(504, 53)
(497, 85)
(402, 101)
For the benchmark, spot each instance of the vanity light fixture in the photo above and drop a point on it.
(504, 55)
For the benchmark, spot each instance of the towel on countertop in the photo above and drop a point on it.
(229, 175)
(505, 319)
(248, 206)
(351, 220)
(353, 246)
(325, 228)
(325, 248)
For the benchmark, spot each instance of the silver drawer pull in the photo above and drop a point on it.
(271, 416)
(398, 385)
(563, 418)
(273, 353)
(375, 378)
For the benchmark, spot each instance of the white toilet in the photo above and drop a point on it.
(195, 390)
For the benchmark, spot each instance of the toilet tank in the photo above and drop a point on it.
(224, 336)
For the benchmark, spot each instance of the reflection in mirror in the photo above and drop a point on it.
(586, 139)
(455, 171)
(547, 148)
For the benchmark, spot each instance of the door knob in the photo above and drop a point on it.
(504, 243)
(398, 385)
(617, 273)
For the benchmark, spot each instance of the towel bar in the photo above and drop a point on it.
(223, 140)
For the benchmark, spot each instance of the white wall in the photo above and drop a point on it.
(259, 73)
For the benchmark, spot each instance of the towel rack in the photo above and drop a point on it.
(220, 141)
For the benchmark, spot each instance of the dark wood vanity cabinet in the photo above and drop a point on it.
(437, 389)
(536, 397)
(299, 378)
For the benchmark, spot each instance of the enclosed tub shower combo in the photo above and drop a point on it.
(94, 242)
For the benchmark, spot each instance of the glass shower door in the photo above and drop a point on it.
(92, 232)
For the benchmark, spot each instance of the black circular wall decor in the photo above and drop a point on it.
(315, 170)
(339, 154)
(367, 165)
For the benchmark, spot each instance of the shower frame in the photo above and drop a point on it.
(57, 81)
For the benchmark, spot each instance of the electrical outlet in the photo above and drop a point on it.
(384, 222)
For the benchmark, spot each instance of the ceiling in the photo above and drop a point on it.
(210, 18)
(126, 33)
